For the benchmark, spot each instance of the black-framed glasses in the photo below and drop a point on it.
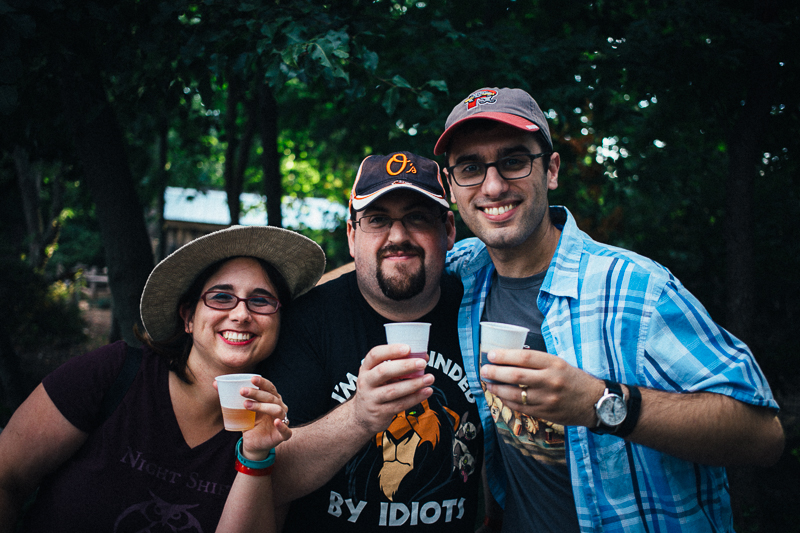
(513, 167)
(415, 222)
(225, 301)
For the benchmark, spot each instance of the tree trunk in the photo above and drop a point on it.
(233, 187)
(41, 233)
(237, 154)
(270, 158)
(163, 179)
(101, 149)
(745, 153)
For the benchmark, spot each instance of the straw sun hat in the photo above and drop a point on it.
(299, 260)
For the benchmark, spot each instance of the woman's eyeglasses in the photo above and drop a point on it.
(225, 301)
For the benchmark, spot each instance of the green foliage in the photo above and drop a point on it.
(78, 243)
(39, 315)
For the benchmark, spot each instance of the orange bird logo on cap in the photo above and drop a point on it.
(484, 96)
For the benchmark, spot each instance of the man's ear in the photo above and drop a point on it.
(351, 237)
(450, 186)
(450, 228)
(552, 171)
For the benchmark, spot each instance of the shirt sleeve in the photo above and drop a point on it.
(686, 350)
(77, 387)
(459, 256)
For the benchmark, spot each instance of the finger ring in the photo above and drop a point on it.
(524, 396)
(286, 420)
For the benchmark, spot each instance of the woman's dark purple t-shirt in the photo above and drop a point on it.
(135, 472)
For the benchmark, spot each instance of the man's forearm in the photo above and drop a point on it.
(316, 452)
(708, 428)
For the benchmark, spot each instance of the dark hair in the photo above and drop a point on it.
(484, 125)
(178, 345)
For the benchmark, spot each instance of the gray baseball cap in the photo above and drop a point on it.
(514, 107)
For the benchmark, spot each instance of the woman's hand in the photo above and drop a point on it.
(271, 420)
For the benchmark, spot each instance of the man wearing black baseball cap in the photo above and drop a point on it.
(373, 448)
(628, 400)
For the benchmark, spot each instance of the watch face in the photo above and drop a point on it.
(612, 410)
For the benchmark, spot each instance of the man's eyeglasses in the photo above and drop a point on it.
(225, 301)
(513, 167)
(414, 222)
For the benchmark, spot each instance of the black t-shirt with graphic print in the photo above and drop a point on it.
(422, 473)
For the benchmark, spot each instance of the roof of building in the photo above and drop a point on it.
(211, 207)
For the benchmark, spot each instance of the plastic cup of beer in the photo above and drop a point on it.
(234, 415)
(496, 335)
(415, 334)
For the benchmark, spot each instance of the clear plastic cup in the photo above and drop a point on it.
(234, 415)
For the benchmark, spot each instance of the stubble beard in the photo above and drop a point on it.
(404, 284)
(512, 235)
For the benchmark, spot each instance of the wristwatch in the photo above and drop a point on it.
(611, 409)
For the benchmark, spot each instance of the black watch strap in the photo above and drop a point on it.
(614, 388)
(634, 408)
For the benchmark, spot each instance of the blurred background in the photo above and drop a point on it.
(128, 128)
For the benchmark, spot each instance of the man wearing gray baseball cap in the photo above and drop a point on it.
(628, 400)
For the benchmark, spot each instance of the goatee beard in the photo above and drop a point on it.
(404, 285)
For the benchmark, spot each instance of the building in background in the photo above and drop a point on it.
(190, 213)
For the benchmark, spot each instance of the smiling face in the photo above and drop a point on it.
(234, 340)
(506, 215)
(399, 265)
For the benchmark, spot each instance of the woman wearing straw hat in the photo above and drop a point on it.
(127, 440)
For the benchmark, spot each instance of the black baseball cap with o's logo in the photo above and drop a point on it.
(379, 174)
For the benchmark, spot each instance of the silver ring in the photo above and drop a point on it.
(286, 420)
(524, 396)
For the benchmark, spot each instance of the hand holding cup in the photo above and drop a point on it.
(496, 335)
(415, 335)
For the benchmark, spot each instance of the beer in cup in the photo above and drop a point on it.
(234, 415)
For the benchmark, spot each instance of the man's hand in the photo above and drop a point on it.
(334, 438)
(381, 392)
(556, 391)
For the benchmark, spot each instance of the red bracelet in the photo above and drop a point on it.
(252, 471)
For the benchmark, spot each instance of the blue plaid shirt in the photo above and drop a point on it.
(620, 316)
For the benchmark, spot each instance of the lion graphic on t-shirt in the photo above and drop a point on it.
(415, 435)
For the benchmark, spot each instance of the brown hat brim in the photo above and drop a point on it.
(300, 261)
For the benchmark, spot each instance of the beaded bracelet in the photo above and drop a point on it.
(254, 465)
